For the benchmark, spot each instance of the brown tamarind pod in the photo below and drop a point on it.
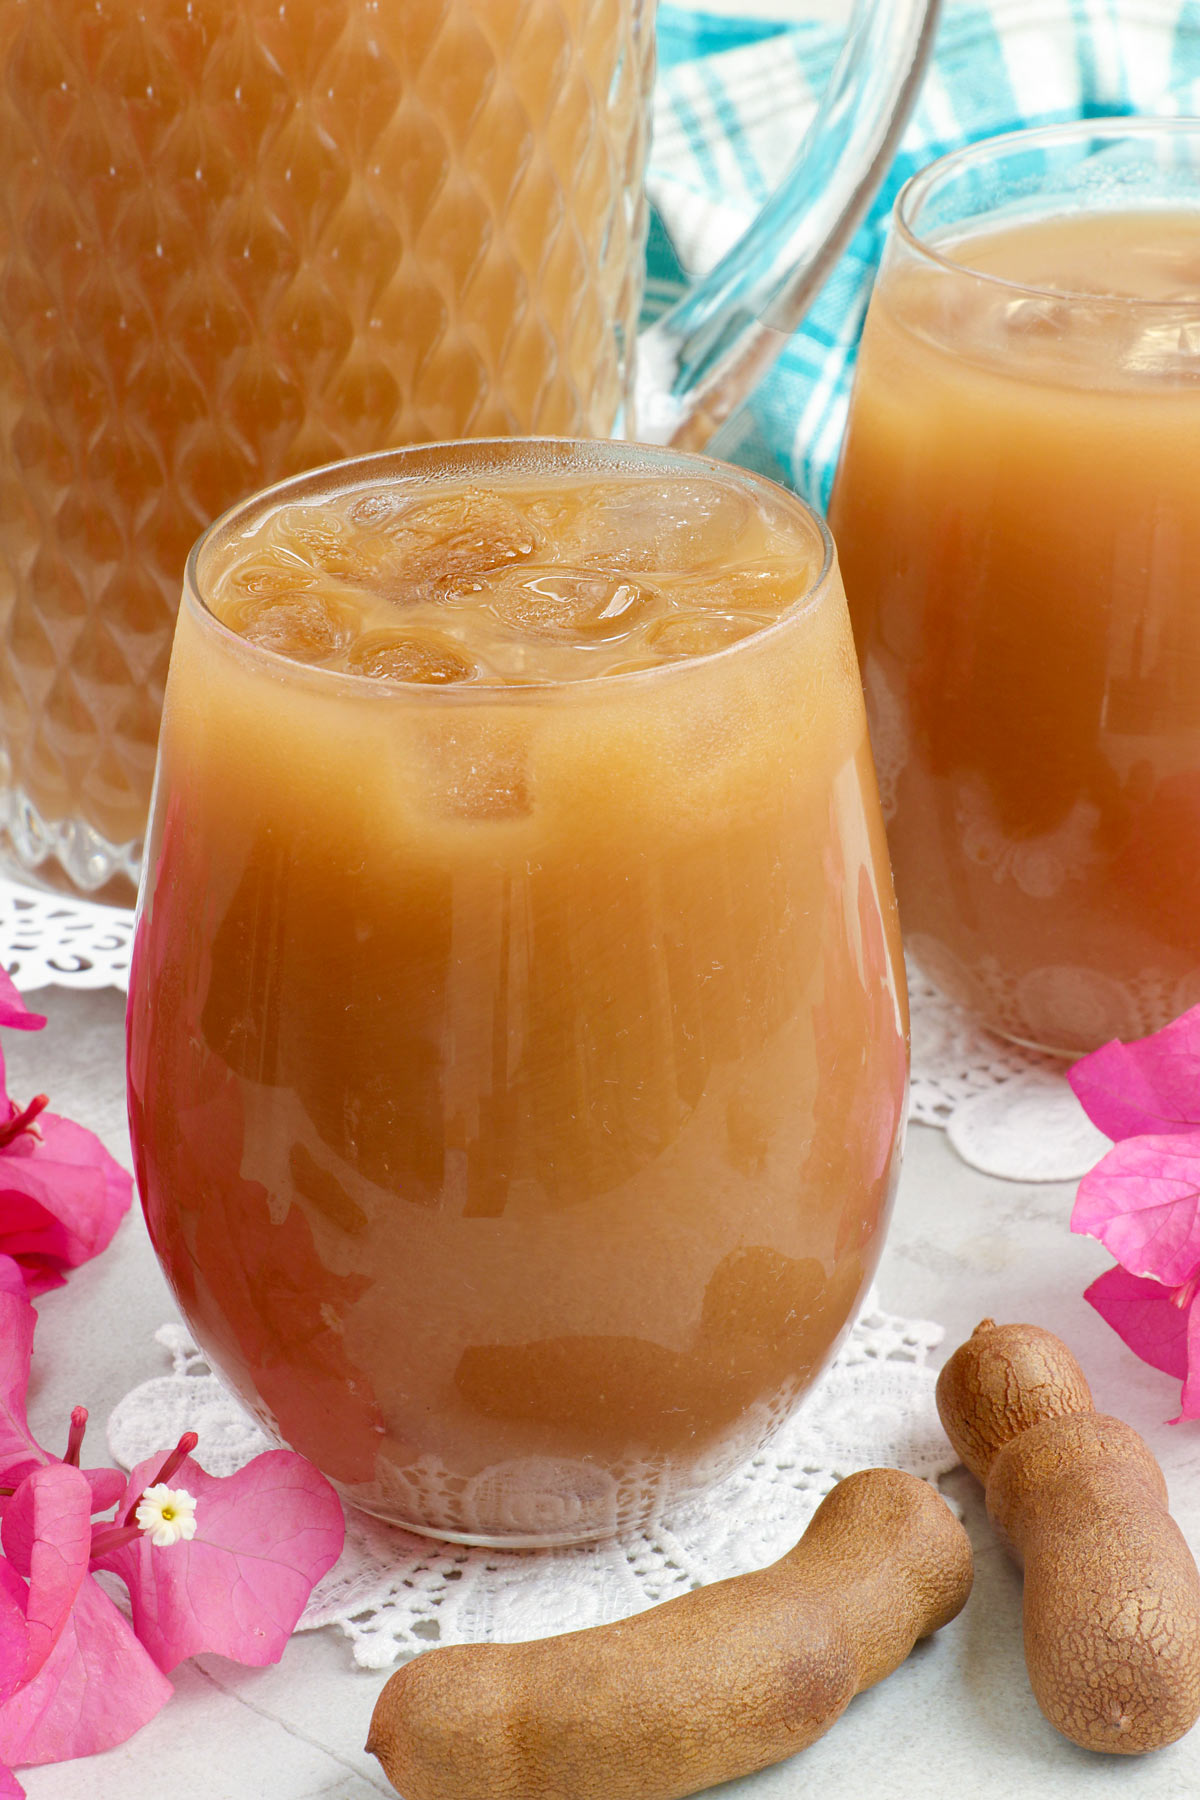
(710, 1685)
(1112, 1593)
(999, 1383)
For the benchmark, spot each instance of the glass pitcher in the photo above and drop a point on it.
(240, 239)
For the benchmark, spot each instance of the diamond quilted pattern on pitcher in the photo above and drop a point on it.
(239, 240)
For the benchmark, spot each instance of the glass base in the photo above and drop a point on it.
(1024, 1043)
(473, 1540)
(1057, 1008)
(66, 856)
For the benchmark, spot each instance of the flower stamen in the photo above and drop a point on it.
(20, 1122)
(182, 1450)
(79, 1419)
(1182, 1297)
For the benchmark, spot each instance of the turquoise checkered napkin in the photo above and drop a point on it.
(734, 95)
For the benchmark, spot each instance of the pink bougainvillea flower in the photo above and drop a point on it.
(75, 1676)
(1146, 1316)
(20, 1453)
(18, 1449)
(86, 1683)
(12, 1277)
(263, 1538)
(62, 1196)
(14, 1649)
(1145, 1088)
(1161, 1325)
(14, 1657)
(13, 1010)
(46, 1536)
(1142, 1200)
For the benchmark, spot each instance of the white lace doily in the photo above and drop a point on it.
(50, 940)
(392, 1593)
(1007, 1111)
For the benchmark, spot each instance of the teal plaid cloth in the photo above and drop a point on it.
(732, 99)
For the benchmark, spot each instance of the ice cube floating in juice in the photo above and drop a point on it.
(514, 583)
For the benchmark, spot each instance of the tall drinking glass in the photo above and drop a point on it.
(1017, 515)
(517, 1037)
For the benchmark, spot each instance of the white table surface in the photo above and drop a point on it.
(957, 1720)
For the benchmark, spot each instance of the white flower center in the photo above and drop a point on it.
(166, 1514)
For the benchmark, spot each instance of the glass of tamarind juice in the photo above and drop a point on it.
(517, 1031)
(1016, 510)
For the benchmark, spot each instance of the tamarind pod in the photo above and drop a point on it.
(710, 1685)
(1112, 1594)
(1002, 1380)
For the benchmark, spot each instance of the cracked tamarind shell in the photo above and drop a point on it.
(1112, 1593)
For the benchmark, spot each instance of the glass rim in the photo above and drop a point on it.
(350, 470)
(916, 190)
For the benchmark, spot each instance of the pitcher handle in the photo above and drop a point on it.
(704, 356)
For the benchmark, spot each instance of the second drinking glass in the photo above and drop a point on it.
(1017, 515)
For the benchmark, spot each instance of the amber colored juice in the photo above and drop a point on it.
(240, 239)
(517, 1055)
(1018, 519)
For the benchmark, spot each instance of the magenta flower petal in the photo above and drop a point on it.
(39, 1277)
(264, 1537)
(61, 1199)
(14, 1644)
(1190, 1398)
(13, 1010)
(47, 1535)
(1144, 1315)
(12, 1280)
(17, 1445)
(1142, 1200)
(107, 1487)
(10, 1787)
(1150, 1086)
(83, 1682)
(96, 1689)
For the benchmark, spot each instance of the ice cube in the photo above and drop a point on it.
(451, 543)
(307, 627)
(323, 540)
(328, 542)
(1167, 347)
(424, 656)
(699, 633)
(1040, 317)
(765, 589)
(674, 524)
(479, 771)
(570, 603)
(373, 511)
(268, 575)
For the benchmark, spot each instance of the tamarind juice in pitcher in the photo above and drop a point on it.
(1017, 516)
(517, 1035)
(238, 240)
